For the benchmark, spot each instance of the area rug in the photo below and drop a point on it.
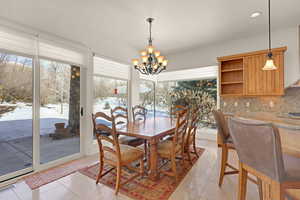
(143, 188)
(39, 179)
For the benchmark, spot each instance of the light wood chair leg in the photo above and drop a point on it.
(174, 169)
(260, 190)
(224, 159)
(194, 147)
(182, 157)
(243, 174)
(277, 191)
(189, 155)
(118, 181)
(100, 171)
(142, 169)
(146, 148)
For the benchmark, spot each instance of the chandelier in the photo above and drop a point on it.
(151, 61)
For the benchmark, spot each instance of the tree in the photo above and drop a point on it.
(197, 93)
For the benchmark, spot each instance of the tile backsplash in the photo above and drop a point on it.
(290, 102)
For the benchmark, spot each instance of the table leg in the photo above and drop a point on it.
(153, 160)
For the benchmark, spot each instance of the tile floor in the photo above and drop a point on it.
(199, 184)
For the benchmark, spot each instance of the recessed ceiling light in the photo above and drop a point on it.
(255, 14)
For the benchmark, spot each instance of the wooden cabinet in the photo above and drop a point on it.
(242, 74)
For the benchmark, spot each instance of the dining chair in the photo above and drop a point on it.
(115, 154)
(120, 114)
(259, 150)
(139, 113)
(169, 149)
(190, 139)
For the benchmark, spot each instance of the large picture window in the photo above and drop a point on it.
(109, 93)
(190, 93)
(146, 94)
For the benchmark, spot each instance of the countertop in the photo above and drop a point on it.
(282, 120)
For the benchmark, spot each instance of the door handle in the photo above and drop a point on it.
(81, 111)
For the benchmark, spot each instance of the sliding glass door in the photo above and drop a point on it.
(16, 119)
(59, 110)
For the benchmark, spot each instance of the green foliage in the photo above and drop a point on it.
(197, 93)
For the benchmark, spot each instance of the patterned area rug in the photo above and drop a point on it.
(143, 188)
(39, 179)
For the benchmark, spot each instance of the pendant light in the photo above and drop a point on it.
(270, 61)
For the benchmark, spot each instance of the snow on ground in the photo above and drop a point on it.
(18, 123)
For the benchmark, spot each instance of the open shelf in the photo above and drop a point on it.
(233, 82)
(232, 70)
(232, 77)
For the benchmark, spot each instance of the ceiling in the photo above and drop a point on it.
(179, 25)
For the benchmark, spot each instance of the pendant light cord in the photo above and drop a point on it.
(269, 25)
(150, 30)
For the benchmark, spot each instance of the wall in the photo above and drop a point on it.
(206, 56)
(279, 106)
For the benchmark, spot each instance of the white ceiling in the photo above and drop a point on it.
(179, 24)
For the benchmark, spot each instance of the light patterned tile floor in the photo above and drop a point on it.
(199, 184)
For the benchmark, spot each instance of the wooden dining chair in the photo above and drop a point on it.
(139, 113)
(190, 139)
(259, 150)
(120, 114)
(115, 154)
(169, 149)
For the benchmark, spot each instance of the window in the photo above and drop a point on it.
(147, 95)
(109, 93)
(59, 110)
(201, 93)
(162, 97)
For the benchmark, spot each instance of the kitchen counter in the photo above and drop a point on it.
(289, 129)
(281, 121)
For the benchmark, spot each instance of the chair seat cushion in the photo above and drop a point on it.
(128, 154)
(131, 141)
(164, 148)
(292, 167)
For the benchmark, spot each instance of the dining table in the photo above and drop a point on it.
(152, 129)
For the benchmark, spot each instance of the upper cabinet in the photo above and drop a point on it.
(242, 74)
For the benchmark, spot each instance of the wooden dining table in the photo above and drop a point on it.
(153, 130)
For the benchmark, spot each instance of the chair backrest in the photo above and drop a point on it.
(193, 123)
(111, 144)
(222, 125)
(181, 126)
(120, 115)
(258, 145)
(139, 113)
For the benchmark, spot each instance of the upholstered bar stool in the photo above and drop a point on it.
(225, 143)
(259, 149)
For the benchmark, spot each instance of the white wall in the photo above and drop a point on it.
(206, 56)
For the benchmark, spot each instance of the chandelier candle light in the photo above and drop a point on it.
(151, 62)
